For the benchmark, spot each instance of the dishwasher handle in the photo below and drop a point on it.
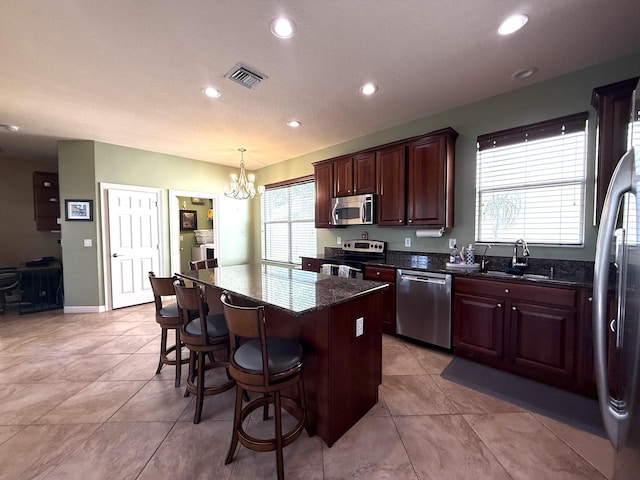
(415, 278)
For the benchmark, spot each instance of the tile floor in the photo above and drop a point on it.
(79, 399)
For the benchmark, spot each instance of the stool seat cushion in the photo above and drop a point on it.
(170, 310)
(216, 326)
(284, 354)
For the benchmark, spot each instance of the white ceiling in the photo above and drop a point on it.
(131, 72)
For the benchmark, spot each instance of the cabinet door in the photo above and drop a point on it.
(311, 264)
(542, 341)
(426, 188)
(323, 178)
(382, 274)
(390, 166)
(343, 176)
(478, 327)
(364, 173)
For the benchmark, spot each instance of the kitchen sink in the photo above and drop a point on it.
(525, 276)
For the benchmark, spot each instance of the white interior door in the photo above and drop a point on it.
(133, 245)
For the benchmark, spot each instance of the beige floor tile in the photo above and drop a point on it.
(400, 361)
(414, 395)
(528, 450)
(93, 404)
(155, 402)
(192, 452)
(445, 446)
(433, 361)
(6, 432)
(468, 400)
(389, 341)
(114, 451)
(214, 407)
(85, 368)
(125, 344)
(138, 366)
(23, 404)
(370, 450)
(34, 369)
(37, 449)
(596, 450)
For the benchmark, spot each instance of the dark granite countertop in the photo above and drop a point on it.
(565, 272)
(293, 290)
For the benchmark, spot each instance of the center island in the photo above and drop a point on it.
(338, 320)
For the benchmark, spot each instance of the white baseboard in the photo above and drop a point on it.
(86, 309)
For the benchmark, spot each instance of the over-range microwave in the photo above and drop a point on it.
(353, 210)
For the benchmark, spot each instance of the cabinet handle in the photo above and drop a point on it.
(410, 220)
(499, 305)
(399, 221)
(513, 308)
(377, 273)
(590, 299)
(506, 290)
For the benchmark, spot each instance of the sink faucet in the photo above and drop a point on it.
(484, 263)
(520, 261)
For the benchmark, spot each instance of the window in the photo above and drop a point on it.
(530, 183)
(288, 223)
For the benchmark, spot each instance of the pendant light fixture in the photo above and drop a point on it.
(241, 187)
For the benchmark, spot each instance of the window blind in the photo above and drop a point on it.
(288, 222)
(530, 183)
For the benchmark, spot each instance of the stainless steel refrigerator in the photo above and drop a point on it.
(616, 324)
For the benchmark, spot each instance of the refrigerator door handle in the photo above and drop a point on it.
(615, 417)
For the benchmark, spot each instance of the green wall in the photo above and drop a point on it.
(549, 99)
(84, 165)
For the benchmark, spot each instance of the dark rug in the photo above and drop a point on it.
(567, 407)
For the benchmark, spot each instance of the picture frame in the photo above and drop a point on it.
(78, 210)
(197, 201)
(188, 220)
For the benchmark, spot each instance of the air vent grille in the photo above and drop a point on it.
(241, 75)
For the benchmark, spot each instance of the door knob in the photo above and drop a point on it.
(115, 255)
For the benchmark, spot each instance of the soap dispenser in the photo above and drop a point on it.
(471, 255)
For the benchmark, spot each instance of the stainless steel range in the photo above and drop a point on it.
(355, 253)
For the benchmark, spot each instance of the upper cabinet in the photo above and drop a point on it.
(613, 104)
(413, 180)
(355, 175)
(430, 179)
(46, 201)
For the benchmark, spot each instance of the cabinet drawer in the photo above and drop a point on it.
(311, 264)
(381, 274)
(552, 295)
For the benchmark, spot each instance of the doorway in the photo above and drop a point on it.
(178, 247)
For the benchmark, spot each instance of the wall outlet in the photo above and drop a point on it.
(339, 240)
(87, 242)
(407, 242)
(359, 326)
(452, 242)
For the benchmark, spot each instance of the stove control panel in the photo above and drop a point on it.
(363, 246)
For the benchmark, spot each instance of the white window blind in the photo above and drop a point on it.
(288, 222)
(530, 183)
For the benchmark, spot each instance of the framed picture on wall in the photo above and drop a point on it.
(188, 220)
(78, 210)
(197, 201)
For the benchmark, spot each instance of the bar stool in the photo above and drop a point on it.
(202, 264)
(204, 336)
(168, 319)
(265, 365)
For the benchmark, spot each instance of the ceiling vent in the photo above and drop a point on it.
(245, 77)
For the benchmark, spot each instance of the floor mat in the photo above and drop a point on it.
(576, 410)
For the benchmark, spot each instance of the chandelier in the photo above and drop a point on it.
(241, 186)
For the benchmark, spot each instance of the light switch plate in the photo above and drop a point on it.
(359, 326)
(452, 242)
(339, 240)
(407, 242)
(88, 242)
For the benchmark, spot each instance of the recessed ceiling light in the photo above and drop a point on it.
(282, 27)
(211, 92)
(10, 128)
(368, 89)
(513, 24)
(294, 123)
(524, 73)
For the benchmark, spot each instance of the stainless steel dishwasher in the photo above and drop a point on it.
(423, 306)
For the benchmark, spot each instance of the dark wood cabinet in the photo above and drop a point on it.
(323, 180)
(364, 173)
(530, 330)
(311, 264)
(385, 274)
(613, 105)
(430, 179)
(343, 176)
(46, 201)
(390, 166)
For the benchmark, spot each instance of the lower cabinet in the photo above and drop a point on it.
(385, 274)
(530, 330)
(311, 264)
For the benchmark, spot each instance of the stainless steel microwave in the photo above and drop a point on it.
(353, 210)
